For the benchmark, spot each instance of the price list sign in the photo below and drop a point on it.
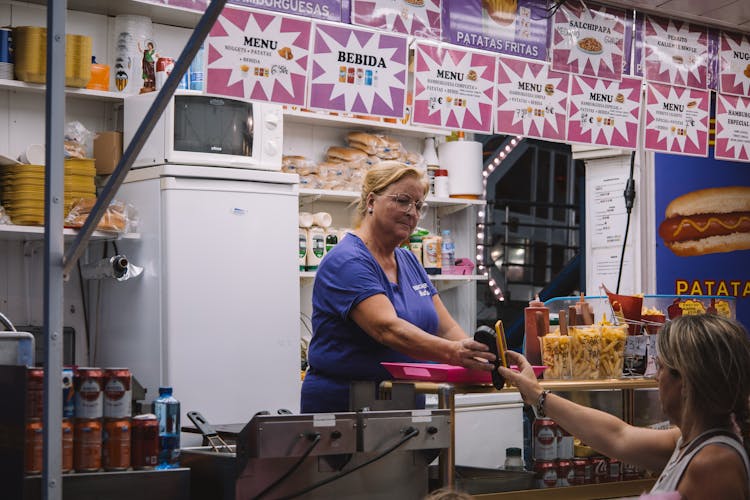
(357, 70)
(412, 17)
(258, 56)
(676, 52)
(732, 128)
(604, 112)
(677, 120)
(453, 88)
(734, 64)
(531, 99)
(609, 213)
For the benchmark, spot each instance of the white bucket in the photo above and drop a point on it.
(463, 160)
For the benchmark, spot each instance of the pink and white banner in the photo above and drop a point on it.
(677, 119)
(734, 64)
(588, 41)
(604, 112)
(532, 100)
(732, 128)
(413, 17)
(453, 88)
(675, 52)
(258, 56)
(358, 70)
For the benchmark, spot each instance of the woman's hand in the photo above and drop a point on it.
(472, 354)
(524, 379)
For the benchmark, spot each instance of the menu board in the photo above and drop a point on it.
(675, 52)
(453, 88)
(357, 70)
(512, 27)
(414, 17)
(258, 56)
(604, 112)
(589, 41)
(531, 99)
(732, 128)
(677, 120)
(734, 64)
(330, 10)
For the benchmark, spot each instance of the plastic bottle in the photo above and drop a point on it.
(316, 247)
(302, 248)
(536, 319)
(197, 71)
(440, 183)
(448, 251)
(513, 459)
(167, 410)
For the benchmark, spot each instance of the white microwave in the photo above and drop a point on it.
(204, 129)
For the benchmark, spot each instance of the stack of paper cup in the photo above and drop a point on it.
(6, 54)
(132, 36)
(463, 160)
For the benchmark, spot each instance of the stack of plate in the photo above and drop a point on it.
(22, 189)
(30, 44)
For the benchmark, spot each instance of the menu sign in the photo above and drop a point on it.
(732, 128)
(734, 64)
(513, 27)
(453, 88)
(413, 17)
(677, 120)
(588, 41)
(604, 112)
(531, 99)
(258, 56)
(357, 70)
(675, 52)
(330, 10)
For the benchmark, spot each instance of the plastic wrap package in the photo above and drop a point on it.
(78, 140)
(4, 219)
(382, 146)
(297, 165)
(335, 176)
(119, 217)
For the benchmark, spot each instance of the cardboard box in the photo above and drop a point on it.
(107, 151)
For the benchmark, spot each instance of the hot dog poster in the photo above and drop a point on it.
(677, 119)
(675, 52)
(588, 41)
(703, 228)
(453, 88)
(604, 112)
(358, 70)
(532, 100)
(734, 64)
(732, 128)
(412, 17)
(258, 56)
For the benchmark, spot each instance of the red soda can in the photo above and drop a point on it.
(581, 471)
(34, 392)
(67, 445)
(544, 431)
(88, 387)
(599, 470)
(564, 473)
(615, 470)
(68, 393)
(630, 472)
(144, 441)
(117, 393)
(87, 445)
(34, 442)
(545, 473)
(564, 444)
(116, 444)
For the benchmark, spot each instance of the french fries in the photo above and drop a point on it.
(556, 355)
(585, 351)
(612, 350)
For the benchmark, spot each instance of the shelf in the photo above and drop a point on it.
(96, 95)
(12, 232)
(553, 385)
(351, 123)
(605, 490)
(444, 205)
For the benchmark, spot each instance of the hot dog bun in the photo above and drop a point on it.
(712, 220)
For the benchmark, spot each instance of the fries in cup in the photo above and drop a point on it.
(612, 350)
(556, 355)
(585, 351)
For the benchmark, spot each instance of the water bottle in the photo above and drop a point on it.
(448, 252)
(513, 460)
(197, 71)
(167, 410)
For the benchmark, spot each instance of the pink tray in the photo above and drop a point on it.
(433, 372)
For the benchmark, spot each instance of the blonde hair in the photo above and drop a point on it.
(380, 177)
(711, 354)
(448, 494)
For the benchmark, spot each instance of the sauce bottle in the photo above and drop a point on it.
(536, 318)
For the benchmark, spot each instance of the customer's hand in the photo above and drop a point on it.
(524, 379)
(472, 354)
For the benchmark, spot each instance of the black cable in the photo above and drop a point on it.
(85, 309)
(316, 440)
(629, 194)
(410, 433)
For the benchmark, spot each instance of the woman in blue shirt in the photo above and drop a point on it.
(373, 302)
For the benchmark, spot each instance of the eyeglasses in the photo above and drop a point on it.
(405, 202)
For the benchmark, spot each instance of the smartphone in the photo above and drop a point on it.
(502, 344)
(486, 336)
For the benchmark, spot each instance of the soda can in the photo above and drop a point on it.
(342, 74)
(144, 441)
(368, 77)
(116, 444)
(6, 45)
(87, 383)
(564, 473)
(68, 393)
(599, 470)
(544, 432)
(615, 470)
(164, 67)
(87, 445)
(545, 473)
(33, 447)
(117, 393)
(630, 472)
(67, 446)
(34, 392)
(350, 75)
(564, 444)
(581, 471)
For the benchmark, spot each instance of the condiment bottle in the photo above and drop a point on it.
(536, 318)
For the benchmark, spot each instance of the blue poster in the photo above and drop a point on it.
(703, 228)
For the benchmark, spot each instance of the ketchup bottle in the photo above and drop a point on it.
(536, 318)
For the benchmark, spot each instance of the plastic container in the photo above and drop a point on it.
(441, 183)
(536, 318)
(431, 254)
(99, 76)
(302, 249)
(316, 247)
(448, 252)
(513, 459)
(197, 71)
(167, 410)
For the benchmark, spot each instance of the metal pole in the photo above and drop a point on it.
(53, 249)
(447, 464)
(149, 121)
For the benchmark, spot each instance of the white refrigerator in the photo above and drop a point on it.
(215, 313)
